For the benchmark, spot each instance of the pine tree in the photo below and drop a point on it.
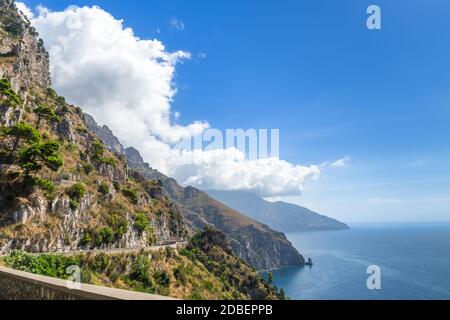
(21, 134)
(46, 113)
(41, 154)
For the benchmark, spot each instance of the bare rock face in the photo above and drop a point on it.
(116, 173)
(65, 129)
(105, 134)
(9, 116)
(25, 59)
(156, 192)
(67, 237)
(29, 211)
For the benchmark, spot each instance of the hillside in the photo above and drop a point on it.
(282, 216)
(255, 243)
(62, 190)
(204, 270)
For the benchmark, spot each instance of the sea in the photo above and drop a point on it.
(403, 261)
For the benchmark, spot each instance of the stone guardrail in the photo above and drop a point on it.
(19, 285)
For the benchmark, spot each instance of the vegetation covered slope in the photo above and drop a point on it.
(255, 243)
(205, 269)
(62, 190)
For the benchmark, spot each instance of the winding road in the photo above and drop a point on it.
(176, 245)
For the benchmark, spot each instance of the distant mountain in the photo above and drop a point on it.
(280, 216)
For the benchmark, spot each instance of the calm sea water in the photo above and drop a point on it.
(414, 261)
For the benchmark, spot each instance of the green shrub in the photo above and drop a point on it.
(87, 168)
(119, 224)
(140, 271)
(12, 98)
(77, 191)
(73, 204)
(180, 274)
(61, 101)
(86, 240)
(196, 295)
(162, 278)
(47, 265)
(151, 238)
(105, 236)
(141, 222)
(121, 229)
(104, 188)
(116, 185)
(132, 195)
(45, 185)
(97, 151)
(51, 93)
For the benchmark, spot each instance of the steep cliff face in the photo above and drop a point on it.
(105, 134)
(24, 60)
(31, 60)
(250, 240)
(80, 195)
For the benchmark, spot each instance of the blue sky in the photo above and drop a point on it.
(334, 88)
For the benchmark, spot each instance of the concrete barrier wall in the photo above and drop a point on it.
(18, 285)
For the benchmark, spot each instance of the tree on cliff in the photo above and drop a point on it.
(40, 154)
(18, 136)
(46, 113)
(8, 95)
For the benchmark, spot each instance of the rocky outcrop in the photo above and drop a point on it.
(24, 58)
(113, 172)
(65, 129)
(105, 134)
(31, 60)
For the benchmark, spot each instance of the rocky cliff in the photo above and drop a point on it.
(24, 60)
(62, 190)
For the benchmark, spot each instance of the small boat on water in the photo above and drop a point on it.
(309, 262)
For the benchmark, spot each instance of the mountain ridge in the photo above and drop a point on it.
(282, 216)
(255, 243)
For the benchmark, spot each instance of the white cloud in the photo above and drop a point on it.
(24, 9)
(340, 163)
(127, 83)
(176, 24)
